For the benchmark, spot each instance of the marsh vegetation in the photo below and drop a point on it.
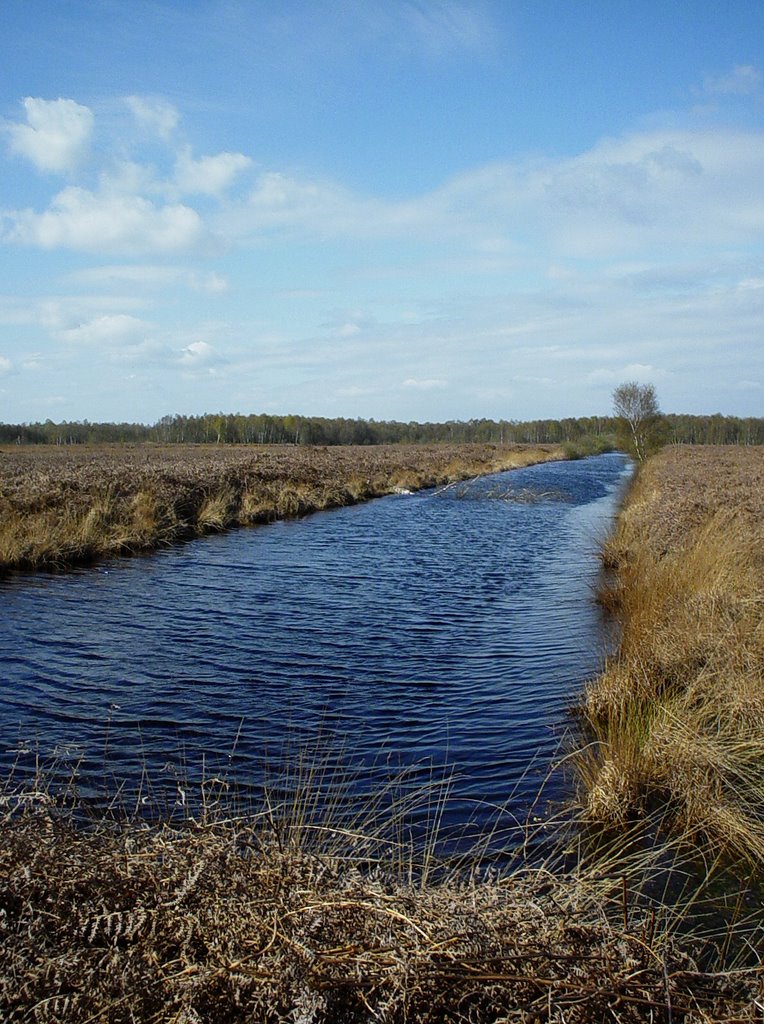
(677, 718)
(61, 506)
(646, 904)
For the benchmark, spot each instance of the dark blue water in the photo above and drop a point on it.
(446, 627)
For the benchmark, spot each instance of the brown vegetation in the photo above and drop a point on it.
(278, 916)
(247, 919)
(676, 721)
(62, 506)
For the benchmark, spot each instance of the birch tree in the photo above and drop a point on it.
(640, 419)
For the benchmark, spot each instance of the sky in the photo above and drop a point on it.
(389, 209)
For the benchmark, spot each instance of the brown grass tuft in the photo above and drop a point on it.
(677, 718)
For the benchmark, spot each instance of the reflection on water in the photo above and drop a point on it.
(454, 625)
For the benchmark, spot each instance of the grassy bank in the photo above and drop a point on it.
(64, 506)
(272, 919)
(676, 721)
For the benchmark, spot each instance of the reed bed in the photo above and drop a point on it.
(65, 506)
(675, 723)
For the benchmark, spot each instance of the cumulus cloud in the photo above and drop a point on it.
(80, 219)
(104, 330)
(743, 80)
(6, 366)
(209, 175)
(199, 354)
(154, 114)
(56, 134)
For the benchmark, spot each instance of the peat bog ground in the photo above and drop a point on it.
(61, 506)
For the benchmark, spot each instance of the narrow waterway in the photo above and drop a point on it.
(445, 628)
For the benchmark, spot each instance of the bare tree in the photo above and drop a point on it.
(636, 406)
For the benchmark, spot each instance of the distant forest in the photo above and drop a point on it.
(589, 432)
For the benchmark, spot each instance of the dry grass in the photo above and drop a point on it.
(677, 718)
(63, 506)
(259, 918)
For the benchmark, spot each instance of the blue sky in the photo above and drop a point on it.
(399, 209)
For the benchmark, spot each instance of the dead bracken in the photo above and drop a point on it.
(231, 921)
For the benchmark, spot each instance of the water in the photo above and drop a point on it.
(448, 627)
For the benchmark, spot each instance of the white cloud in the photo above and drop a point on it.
(641, 372)
(743, 80)
(348, 330)
(428, 384)
(127, 177)
(209, 175)
(58, 314)
(106, 330)
(152, 276)
(79, 219)
(5, 366)
(56, 135)
(433, 28)
(199, 354)
(623, 197)
(279, 202)
(354, 391)
(154, 114)
(212, 283)
(446, 26)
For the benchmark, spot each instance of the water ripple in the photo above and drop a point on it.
(453, 625)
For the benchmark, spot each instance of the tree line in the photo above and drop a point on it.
(595, 433)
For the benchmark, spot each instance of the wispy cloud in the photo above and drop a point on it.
(151, 277)
(743, 80)
(624, 194)
(444, 27)
(426, 384)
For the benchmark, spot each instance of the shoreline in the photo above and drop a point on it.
(63, 507)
